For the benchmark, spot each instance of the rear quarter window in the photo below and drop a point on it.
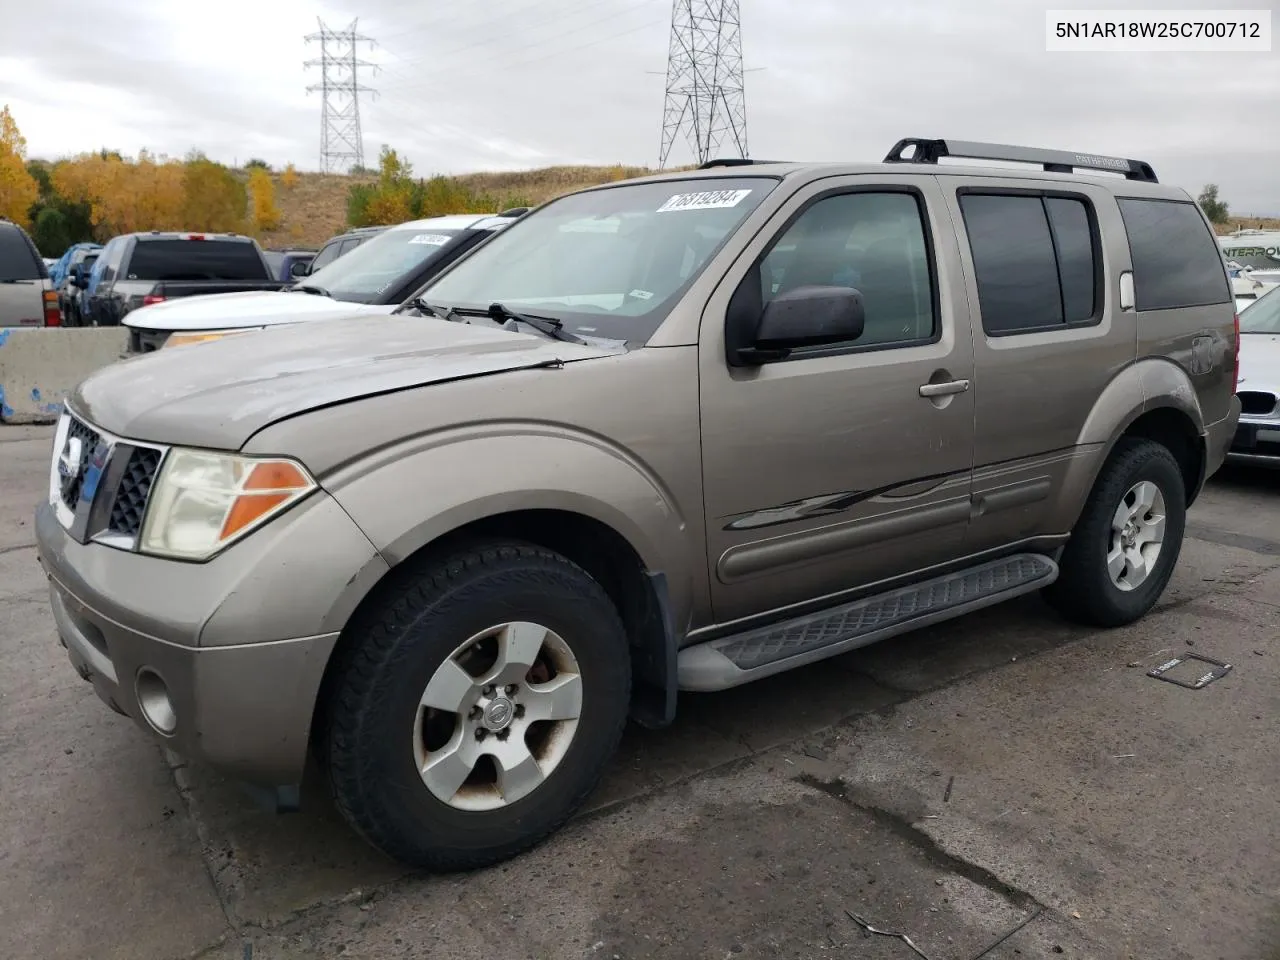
(18, 260)
(178, 260)
(1177, 261)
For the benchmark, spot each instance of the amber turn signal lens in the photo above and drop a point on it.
(267, 486)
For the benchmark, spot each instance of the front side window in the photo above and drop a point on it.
(609, 262)
(377, 264)
(1035, 259)
(1177, 261)
(327, 255)
(872, 242)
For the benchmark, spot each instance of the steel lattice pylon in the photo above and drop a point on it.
(341, 143)
(705, 98)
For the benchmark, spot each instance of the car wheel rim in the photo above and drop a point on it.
(1137, 535)
(498, 716)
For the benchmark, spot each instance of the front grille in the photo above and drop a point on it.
(1257, 403)
(89, 440)
(131, 494)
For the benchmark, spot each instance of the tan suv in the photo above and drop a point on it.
(670, 434)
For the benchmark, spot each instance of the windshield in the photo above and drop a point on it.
(1263, 315)
(379, 263)
(607, 263)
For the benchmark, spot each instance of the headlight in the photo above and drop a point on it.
(202, 500)
(179, 339)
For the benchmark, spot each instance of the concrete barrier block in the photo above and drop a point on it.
(38, 368)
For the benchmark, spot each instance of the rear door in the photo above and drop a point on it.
(1048, 336)
(23, 279)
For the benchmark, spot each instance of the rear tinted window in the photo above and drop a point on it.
(17, 260)
(1035, 259)
(195, 260)
(1176, 260)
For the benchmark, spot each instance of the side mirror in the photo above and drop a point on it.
(78, 278)
(299, 268)
(806, 317)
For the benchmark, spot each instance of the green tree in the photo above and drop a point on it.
(256, 164)
(1216, 210)
(213, 198)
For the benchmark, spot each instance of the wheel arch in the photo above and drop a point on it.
(640, 594)
(1156, 400)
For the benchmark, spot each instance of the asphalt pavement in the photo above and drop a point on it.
(1002, 786)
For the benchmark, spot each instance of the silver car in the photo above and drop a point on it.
(26, 294)
(1257, 438)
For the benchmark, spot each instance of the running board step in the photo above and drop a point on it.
(743, 657)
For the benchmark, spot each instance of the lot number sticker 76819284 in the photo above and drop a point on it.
(706, 200)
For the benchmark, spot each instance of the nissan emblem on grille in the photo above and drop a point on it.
(69, 464)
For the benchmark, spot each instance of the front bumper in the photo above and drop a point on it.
(231, 651)
(1256, 440)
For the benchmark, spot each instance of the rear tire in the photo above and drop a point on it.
(397, 752)
(1112, 571)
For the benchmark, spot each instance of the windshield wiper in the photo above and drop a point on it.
(313, 289)
(430, 309)
(549, 325)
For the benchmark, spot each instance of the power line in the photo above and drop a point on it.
(705, 99)
(341, 142)
(511, 62)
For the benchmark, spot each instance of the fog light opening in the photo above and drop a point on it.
(154, 701)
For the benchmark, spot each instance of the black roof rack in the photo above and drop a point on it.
(1053, 161)
(734, 162)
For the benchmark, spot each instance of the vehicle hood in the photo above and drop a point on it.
(251, 309)
(1260, 361)
(218, 394)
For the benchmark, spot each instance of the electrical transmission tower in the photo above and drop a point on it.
(341, 143)
(705, 99)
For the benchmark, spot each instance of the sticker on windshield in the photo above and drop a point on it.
(706, 200)
(642, 294)
(434, 239)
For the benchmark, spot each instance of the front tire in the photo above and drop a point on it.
(1126, 542)
(476, 710)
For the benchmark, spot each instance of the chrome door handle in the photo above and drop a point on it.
(944, 389)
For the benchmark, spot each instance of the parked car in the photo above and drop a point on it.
(26, 295)
(676, 433)
(335, 247)
(74, 310)
(138, 269)
(84, 255)
(286, 264)
(375, 279)
(1257, 439)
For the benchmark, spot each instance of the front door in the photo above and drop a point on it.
(841, 466)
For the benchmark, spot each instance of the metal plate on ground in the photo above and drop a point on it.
(1217, 669)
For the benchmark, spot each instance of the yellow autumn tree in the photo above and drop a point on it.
(266, 215)
(18, 189)
(125, 195)
(289, 179)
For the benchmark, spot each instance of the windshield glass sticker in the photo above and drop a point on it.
(707, 200)
(434, 239)
(642, 294)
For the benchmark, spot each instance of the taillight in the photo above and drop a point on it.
(151, 298)
(1235, 369)
(52, 315)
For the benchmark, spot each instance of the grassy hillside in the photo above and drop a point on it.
(316, 207)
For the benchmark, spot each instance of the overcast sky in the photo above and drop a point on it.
(503, 84)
